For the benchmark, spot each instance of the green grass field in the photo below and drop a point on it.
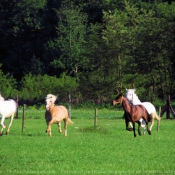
(105, 149)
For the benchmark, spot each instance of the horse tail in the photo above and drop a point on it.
(69, 121)
(158, 118)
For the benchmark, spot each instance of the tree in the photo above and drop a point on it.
(71, 39)
(20, 25)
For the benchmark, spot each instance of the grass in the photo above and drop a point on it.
(105, 149)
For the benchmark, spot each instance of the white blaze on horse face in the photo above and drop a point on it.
(47, 104)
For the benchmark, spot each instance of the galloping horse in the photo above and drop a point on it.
(133, 98)
(133, 113)
(7, 109)
(55, 114)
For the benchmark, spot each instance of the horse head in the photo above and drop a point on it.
(129, 94)
(118, 99)
(50, 100)
(132, 96)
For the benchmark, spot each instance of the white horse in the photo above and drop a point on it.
(133, 98)
(7, 109)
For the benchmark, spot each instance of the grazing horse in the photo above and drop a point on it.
(55, 114)
(7, 109)
(133, 113)
(133, 98)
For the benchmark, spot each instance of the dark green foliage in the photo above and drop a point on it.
(8, 85)
(37, 87)
(104, 46)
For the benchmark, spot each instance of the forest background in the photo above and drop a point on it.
(89, 49)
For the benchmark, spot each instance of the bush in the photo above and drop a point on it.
(8, 85)
(36, 87)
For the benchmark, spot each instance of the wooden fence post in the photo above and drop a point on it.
(23, 118)
(95, 117)
(69, 109)
(158, 122)
(168, 109)
(17, 107)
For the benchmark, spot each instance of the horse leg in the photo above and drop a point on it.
(3, 125)
(65, 126)
(152, 121)
(1, 133)
(144, 130)
(11, 120)
(127, 123)
(127, 127)
(59, 127)
(48, 130)
(134, 129)
(139, 132)
(149, 131)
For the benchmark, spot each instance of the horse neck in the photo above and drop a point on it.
(135, 100)
(52, 106)
(126, 105)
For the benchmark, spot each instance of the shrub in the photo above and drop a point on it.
(8, 85)
(36, 87)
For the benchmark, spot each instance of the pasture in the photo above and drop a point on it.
(105, 149)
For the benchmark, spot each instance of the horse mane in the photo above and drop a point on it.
(52, 97)
(135, 96)
(1, 98)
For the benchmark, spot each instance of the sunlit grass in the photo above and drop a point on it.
(105, 149)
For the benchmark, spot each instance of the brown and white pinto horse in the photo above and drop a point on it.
(133, 113)
(55, 114)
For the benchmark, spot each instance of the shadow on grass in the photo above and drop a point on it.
(94, 129)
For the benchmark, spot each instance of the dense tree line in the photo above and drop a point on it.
(91, 49)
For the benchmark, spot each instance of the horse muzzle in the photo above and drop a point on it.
(116, 102)
(47, 107)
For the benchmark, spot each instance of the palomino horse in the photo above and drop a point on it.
(55, 114)
(133, 113)
(133, 98)
(7, 109)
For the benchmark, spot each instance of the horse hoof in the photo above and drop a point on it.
(129, 129)
(7, 133)
(47, 131)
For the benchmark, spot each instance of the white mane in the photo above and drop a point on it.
(52, 97)
(1, 98)
(132, 97)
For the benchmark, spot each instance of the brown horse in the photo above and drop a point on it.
(55, 114)
(133, 113)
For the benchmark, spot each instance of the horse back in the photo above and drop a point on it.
(144, 112)
(57, 113)
(8, 107)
